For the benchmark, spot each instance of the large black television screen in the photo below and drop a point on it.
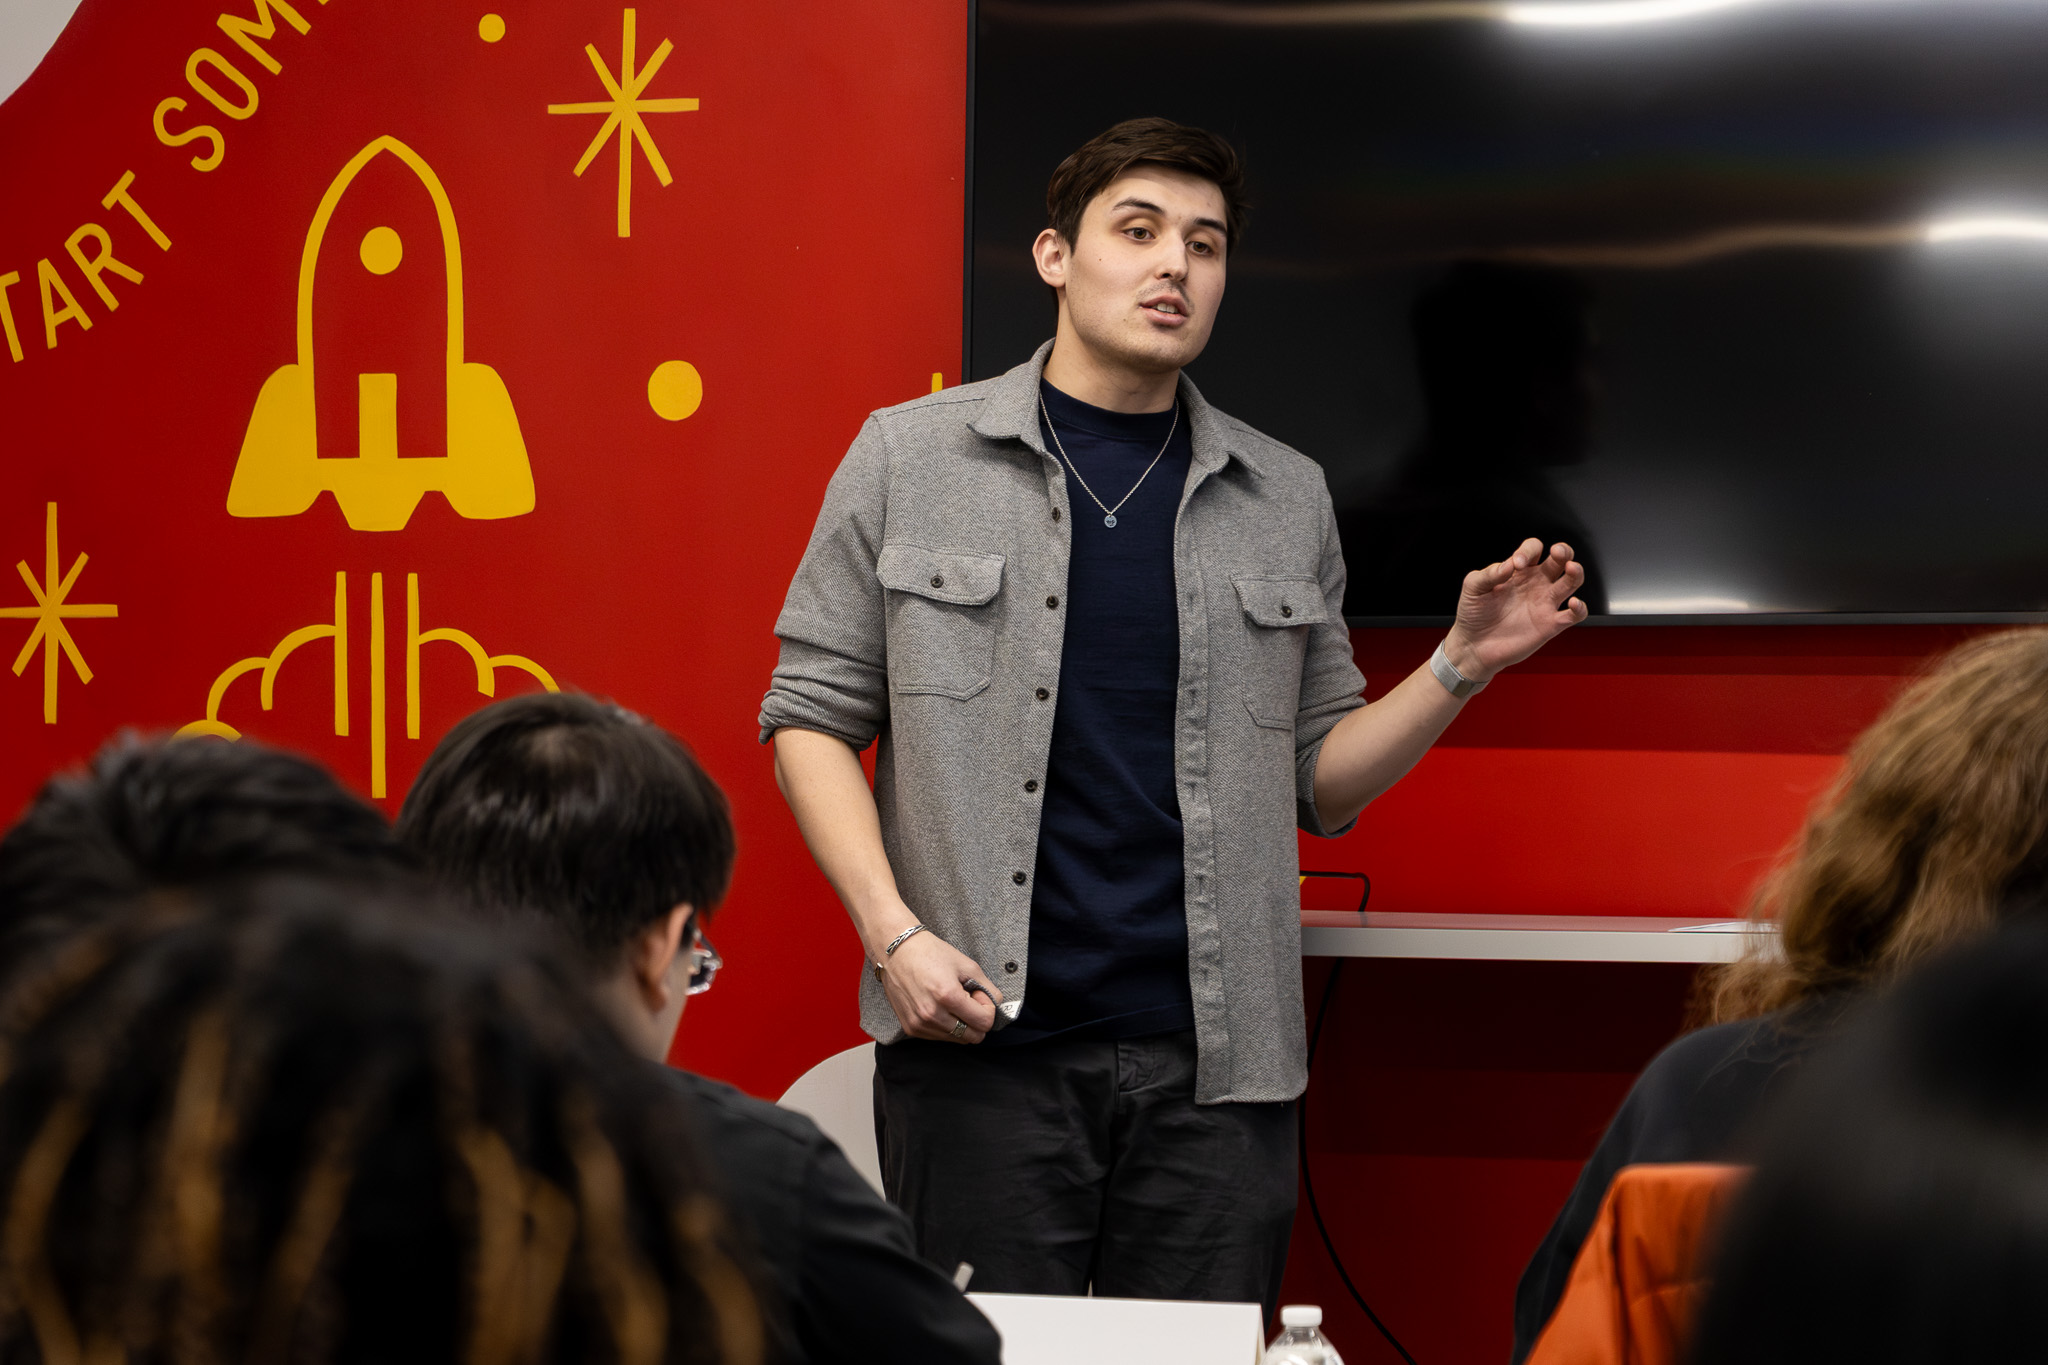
(1748, 299)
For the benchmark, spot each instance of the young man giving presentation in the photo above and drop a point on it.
(1096, 625)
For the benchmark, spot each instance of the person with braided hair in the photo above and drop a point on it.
(297, 1120)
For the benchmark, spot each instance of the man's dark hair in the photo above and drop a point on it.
(299, 1121)
(574, 809)
(1146, 142)
(171, 814)
(1899, 1207)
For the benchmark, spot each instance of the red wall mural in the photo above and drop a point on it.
(365, 361)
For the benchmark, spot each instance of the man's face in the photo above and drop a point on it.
(1144, 280)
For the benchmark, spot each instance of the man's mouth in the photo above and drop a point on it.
(1168, 307)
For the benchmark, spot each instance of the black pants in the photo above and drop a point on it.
(1063, 1165)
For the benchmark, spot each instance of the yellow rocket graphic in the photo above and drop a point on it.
(483, 471)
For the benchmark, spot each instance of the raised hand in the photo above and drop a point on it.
(1508, 611)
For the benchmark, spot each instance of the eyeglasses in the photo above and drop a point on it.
(704, 963)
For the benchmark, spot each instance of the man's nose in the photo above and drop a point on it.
(1173, 263)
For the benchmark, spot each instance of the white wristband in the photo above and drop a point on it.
(1455, 683)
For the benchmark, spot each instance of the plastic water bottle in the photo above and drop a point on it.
(1301, 1341)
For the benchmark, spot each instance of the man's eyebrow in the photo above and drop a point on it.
(1151, 207)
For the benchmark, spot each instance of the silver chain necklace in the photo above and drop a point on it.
(1108, 512)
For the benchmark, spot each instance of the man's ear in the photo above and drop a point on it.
(651, 953)
(1051, 253)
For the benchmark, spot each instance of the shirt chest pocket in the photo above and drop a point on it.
(940, 618)
(1277, 614)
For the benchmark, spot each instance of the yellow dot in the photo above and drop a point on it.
(675, 389)
(381, 251)
(490, 28)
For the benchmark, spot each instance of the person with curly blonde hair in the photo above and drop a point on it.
(1934, 833)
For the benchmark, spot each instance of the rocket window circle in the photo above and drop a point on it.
(381, 251)
(675, 389)
(490, 28)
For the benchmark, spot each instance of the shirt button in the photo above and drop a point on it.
(1032, 785)
(1285, 610)
(1043, 694)
(1017, 877)
(1055, 517)
(1052, 602)
(1009, 966)
(939, 582)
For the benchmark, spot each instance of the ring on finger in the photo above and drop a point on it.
(959, 1029)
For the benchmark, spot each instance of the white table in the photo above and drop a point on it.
(1523, 938)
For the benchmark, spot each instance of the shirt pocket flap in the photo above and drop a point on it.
(958, 576)
(1282, 601)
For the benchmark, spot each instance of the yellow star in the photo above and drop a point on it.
(49, 614)
(622, 114)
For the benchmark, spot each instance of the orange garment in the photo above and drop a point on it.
(1638, 1282)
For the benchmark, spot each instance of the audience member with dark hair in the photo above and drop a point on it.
(1899, 1207)
(599, 825)
(293, 1120)
(158, 815)
(1938, 822)
(584, 814)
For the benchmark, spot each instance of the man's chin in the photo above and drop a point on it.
(1151, 352)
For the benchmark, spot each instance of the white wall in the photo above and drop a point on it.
(27, 28)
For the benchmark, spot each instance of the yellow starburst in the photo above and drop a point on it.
(622, 116)
(49, 614)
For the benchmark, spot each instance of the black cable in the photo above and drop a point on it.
(1308, 1182)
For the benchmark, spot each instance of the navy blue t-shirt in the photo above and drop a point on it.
(1109, 933)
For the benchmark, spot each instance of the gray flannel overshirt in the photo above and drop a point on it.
(928, 613)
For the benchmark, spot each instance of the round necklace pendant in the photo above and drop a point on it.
(1109, 519)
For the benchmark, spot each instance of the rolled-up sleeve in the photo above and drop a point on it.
(832, 673)
(1331, 685)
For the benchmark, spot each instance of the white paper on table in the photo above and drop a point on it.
(1049, 1329)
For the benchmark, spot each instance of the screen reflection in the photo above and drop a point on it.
(1745, 299)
